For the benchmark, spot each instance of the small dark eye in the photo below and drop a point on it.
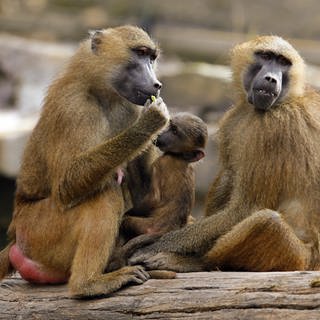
(141, 51)
(266, 55)
(284, 61)
(153, 58)
(174, 129)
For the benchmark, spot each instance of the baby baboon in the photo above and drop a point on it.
(263, 209)
(69, 205)
(168, 204)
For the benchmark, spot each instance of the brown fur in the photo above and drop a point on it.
(275, 169)
(69, 206)
(123, 252)
(5, 266)
(168, 204)
(263, 208)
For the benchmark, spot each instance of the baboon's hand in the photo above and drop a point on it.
(152, 260)
(143, 255)
(158, 261)
(121, 258)
(164, 261)
(159, 105)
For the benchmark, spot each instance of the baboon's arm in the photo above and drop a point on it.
(219, 193)
(90, 168)
(197, 238)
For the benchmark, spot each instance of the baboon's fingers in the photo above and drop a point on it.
(162, 274)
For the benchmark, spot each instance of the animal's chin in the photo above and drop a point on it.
(134, 95)
(139, 97)
(262, 99)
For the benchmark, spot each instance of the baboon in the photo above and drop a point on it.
(262, 211)
(71, 195)
(168, 204)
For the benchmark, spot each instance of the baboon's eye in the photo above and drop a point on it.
(266, 55)
(174, 129)
(284, 61)
(141, 51)
(145, 52)
(153, 57)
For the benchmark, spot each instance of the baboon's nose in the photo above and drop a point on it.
(270, 79)
(157, 85)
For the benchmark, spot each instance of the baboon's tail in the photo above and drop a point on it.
(5, 265)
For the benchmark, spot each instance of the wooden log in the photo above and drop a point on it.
(203, 295)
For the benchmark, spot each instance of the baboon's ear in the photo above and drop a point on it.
(95, 36)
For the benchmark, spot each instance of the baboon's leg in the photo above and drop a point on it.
(261, 242)
(5, 266)
(97, 236)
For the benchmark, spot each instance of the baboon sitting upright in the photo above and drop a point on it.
(263, 208)
(68, 204)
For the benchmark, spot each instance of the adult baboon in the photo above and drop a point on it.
(70, 195)
(263, 208)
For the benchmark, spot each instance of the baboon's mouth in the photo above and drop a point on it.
(141, 97)
(146, 94)
(265, 93)
(142, 94)
(262, 99)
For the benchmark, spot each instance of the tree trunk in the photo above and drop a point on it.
(202, 295)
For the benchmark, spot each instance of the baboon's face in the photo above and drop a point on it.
(267, 79)
(136, 80)
(126, 57)
(173, 139)
(185, 134)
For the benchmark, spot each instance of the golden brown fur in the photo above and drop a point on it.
(69, 205)
(263, 208)
(168, 204)
(276, 169)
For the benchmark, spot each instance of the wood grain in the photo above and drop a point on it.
(203, 295)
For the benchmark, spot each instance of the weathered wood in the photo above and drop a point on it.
(214, 295)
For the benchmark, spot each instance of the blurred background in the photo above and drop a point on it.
(38, 36)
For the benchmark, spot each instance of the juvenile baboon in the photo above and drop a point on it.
(168, 204)
(263, 208)
(69, 204)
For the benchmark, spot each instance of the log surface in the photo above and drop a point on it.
(202, 295)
